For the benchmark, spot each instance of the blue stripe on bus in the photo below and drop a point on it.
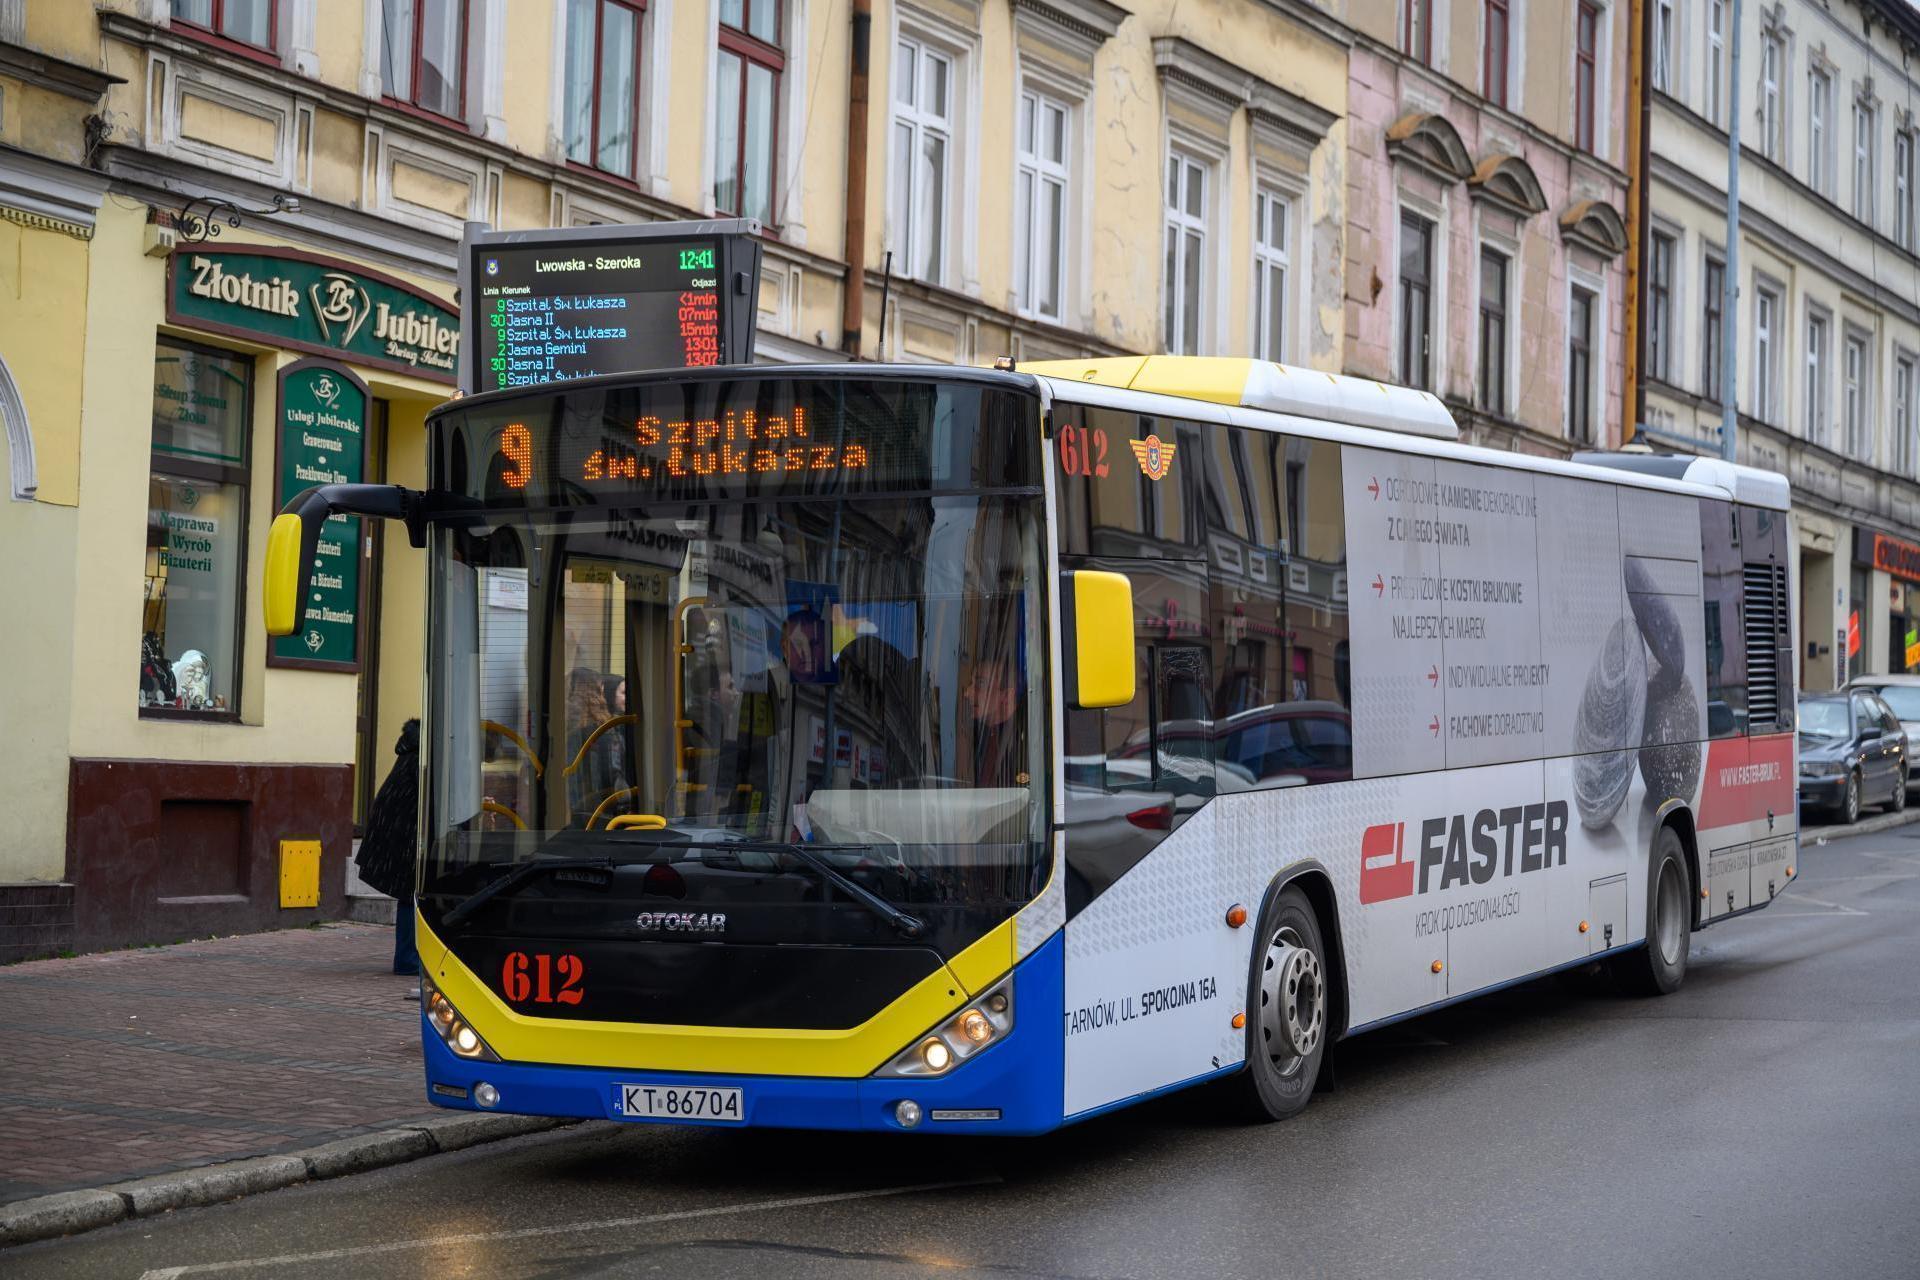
(1021, 1077)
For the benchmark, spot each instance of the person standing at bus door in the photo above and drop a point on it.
(613, 743)
(591, 780)
(386, 857)
(997, 729)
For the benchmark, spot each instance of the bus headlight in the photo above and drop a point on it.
(975, 1027)
(451, 1027)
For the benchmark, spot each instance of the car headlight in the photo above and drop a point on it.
(451, 1027)
(980, 1024)
(1822, 768)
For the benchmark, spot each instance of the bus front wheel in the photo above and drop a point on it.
(1659, 967)
(1288, 1011)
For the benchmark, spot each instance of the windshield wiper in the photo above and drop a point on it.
(514, 879)
(909, 926)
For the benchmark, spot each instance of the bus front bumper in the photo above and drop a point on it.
(1012, 1087)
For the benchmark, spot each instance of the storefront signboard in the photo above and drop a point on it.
(322, 440)
(309, 303)
(1889, 554)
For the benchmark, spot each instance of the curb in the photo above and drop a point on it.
(70, 1212)
(1864, 827)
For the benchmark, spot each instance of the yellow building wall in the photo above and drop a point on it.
(37, 582)
(43, 338)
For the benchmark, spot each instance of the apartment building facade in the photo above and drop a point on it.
(1826, 317)
(1486, 240)
(1043, 178)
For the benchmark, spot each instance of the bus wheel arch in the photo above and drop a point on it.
(1677, 815)
(1311, 879)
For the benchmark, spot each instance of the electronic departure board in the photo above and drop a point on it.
(558, 305)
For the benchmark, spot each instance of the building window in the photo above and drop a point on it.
(1186, 253)
(1271, 217)
(1903, 193)
(1819, 141)
(1660, 308)
(923, 158)
(250, 22)
(746, 108)
(1864, 168)
(1717, 61)
(1766, 354)
(1773, 56)
(1663, 34)
(1493, 331)
(1816, 410)
(1586, 78)
(1498, 52)
(1416, 301)
(1040, 205)
(423, 54)
(196, 531)
(1712, 330)
(1580, 308)
(1903, 415)
(1853, 398)
(603, 83)
(1416, 30)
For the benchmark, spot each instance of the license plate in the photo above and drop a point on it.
(676, 1102)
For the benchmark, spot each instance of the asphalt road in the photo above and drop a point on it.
(1764, 1121)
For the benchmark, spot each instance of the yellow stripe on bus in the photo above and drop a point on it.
(853, 1052)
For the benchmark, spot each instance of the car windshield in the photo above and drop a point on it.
(1903, 698)
(1825, 717)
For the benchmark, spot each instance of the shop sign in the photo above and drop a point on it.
(1887, 553)
(322, 437)
(308, 303)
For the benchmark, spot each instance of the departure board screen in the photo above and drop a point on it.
(556, 311)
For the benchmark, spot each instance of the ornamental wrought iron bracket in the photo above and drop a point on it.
(200, 218)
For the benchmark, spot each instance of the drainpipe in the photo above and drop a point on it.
(1639, 214)
(1730, 283)
(854, 296)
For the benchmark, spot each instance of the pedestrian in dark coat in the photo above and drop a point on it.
(386, 858)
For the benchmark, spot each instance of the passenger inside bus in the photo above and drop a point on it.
(997, 732)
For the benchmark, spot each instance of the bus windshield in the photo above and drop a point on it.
(705, 662)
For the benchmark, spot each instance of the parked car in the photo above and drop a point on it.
(1852, 752)
(1902, 693)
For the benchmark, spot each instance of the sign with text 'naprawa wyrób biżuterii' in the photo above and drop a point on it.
(313, 304)
(322, 440)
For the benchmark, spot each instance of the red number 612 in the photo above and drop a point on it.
(526, 978)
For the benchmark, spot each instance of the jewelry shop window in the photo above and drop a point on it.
(196, 532)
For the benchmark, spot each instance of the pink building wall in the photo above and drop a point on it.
(1382, 91)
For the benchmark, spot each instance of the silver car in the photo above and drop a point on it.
(1902, 694)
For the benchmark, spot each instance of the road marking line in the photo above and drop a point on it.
(1838, 909)
(528, 1233)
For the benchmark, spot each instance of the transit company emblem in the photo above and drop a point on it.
(1155, 456)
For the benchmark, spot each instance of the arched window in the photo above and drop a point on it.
(13, 424)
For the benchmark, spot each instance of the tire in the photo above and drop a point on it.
(1898, 801)
(1659, 967)
(1288, 983)
(1850, 802)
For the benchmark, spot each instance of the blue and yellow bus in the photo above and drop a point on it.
(935, 750)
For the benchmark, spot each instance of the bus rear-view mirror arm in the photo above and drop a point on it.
(295, 537)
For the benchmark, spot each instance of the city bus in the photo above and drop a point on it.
(965, 750)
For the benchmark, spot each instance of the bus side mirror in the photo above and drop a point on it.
(1097, 610)
(285, 584)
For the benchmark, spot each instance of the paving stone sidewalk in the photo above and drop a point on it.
(131, 1063)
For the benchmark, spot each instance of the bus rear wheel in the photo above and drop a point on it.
(1659, 967)
(1288, 1014)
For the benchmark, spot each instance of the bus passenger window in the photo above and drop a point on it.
(1722, 581)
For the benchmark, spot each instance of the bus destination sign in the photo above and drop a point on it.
(558, 306)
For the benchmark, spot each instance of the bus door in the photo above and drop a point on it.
(1136, 774)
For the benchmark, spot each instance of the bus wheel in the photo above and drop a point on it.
(1287, 1023)
(1661, 965)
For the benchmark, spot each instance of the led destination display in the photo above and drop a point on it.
(558, 311)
